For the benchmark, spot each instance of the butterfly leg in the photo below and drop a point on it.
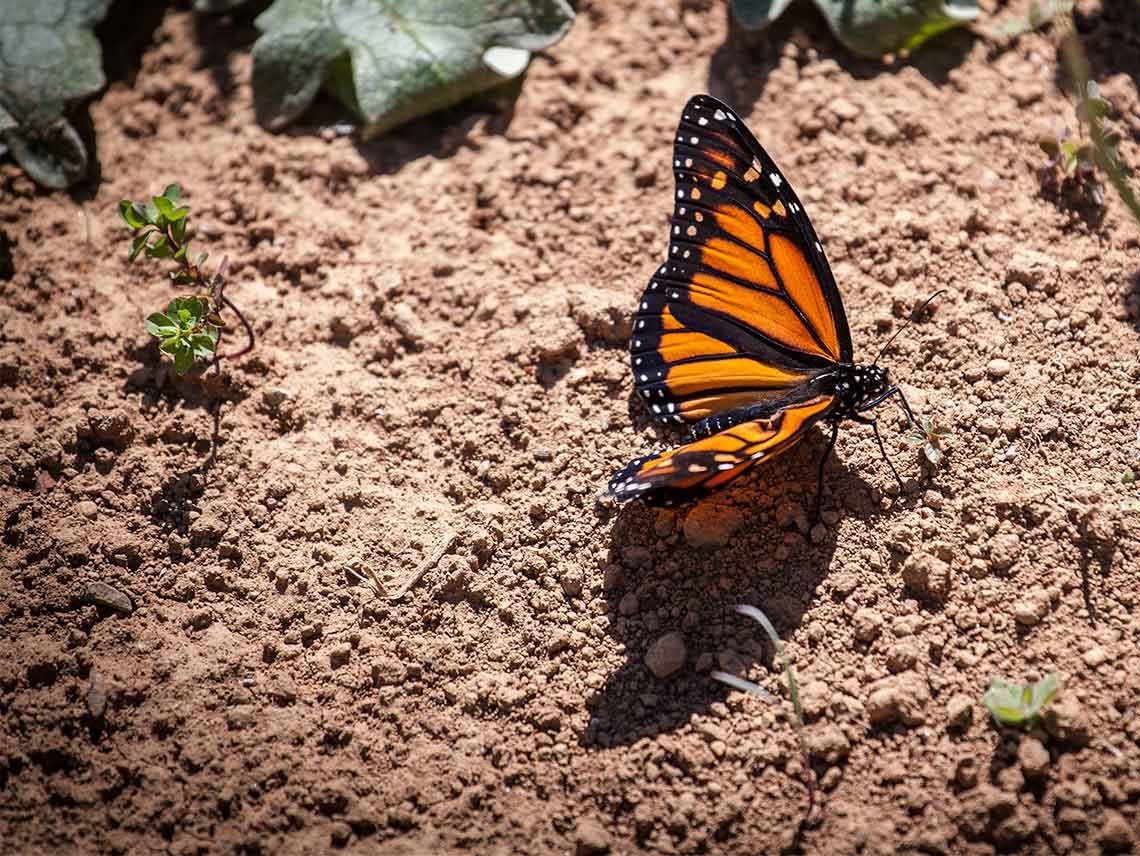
(874, 423)
(822, 464)
(894, 390)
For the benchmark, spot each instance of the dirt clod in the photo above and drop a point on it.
(1116, 834)
(898, 699)
(1033, 758)
(590, 838)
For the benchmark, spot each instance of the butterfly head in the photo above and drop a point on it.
(859, 387)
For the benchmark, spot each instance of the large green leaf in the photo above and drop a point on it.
(49, 57)
(872, 27)
(394, 60)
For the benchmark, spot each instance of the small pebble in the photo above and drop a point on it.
(1030, 611)
(666, 656)
(109, 597)
(88, 509)
(1095, 657)
(998, 368)
(959, 711)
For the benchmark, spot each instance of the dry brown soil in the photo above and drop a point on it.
(442, 317)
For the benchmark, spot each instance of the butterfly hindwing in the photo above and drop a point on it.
(715, 460)
(745, 307)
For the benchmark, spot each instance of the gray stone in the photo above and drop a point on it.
(109, 597)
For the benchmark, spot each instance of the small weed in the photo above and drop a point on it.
(1019, 705)
(793, 692)
(190, 328)
(929, 436)
(1077, 163)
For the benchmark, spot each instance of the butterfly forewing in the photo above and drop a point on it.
(744, 309)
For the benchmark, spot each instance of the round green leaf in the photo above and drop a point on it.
(394, 60)
(161, 326)
(875, 27)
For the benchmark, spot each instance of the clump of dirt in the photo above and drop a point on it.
(192, 663)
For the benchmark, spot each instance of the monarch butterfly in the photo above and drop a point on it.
(741, 332)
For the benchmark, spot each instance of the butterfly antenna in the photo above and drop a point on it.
(917, 312)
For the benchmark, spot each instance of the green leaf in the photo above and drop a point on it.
(161, 326)
(1020, 705)
(392, 61)
(872, 27)
(172, 193)
(758, 14)
(165, 206)
(203, 345)
(52, 154)
(130, 215)
(138, 243)
(183, 359)
(876, 27)
(171, 345)
(933, 454)
(49, 59)
(178, 229)
(160, 249)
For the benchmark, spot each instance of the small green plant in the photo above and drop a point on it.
(929, 436)
(190, 329)
(1020, 705)
(1077, 163)
(793, 692)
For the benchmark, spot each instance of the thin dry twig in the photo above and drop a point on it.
(442, 547)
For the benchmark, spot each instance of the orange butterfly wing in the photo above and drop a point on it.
(745, 308)
(714, 461)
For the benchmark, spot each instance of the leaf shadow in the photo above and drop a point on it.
(221, 36)
(441, 134)
(1111, 41)
(740, 67)
(681, 588)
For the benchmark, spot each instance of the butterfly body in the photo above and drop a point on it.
(741, 332)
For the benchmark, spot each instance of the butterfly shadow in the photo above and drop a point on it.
(658, 583)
